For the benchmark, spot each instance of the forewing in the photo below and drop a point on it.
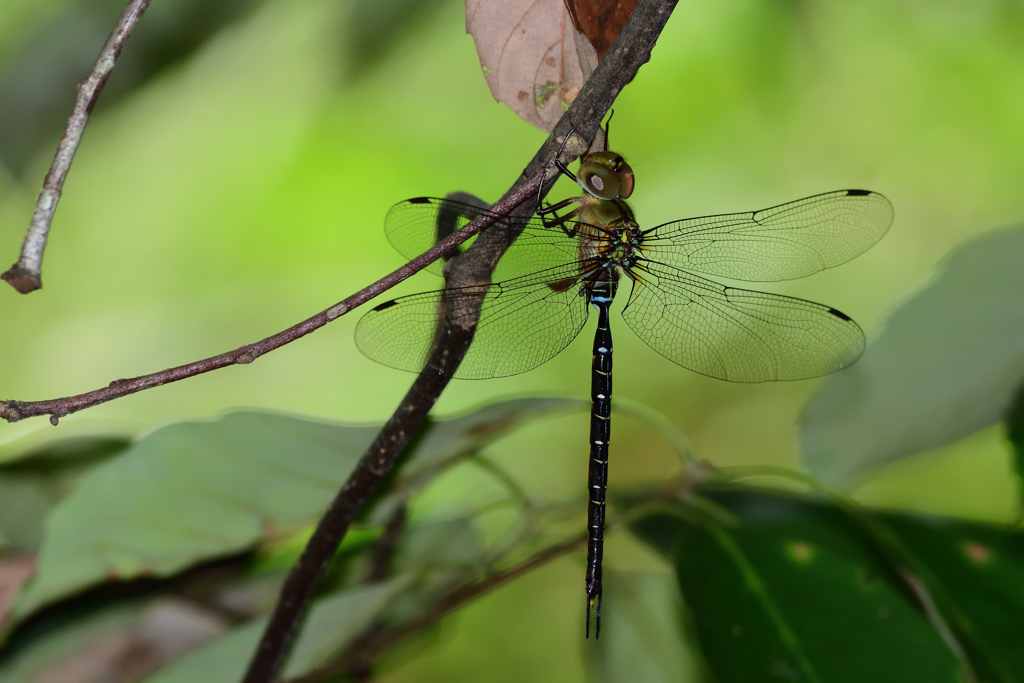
(781, 243)
(414, 225)
(737, 334)
(523, 323)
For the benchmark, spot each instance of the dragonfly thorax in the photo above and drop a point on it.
(609, 235)
(609, 240)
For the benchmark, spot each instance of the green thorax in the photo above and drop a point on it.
(608, 232)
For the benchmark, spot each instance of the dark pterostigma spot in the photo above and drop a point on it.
(857, 193)
(420, 200)
(838, 314)
(389, 304)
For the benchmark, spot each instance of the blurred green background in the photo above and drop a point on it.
(236, 182)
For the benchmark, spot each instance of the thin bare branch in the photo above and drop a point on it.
(380, 567)
(384, 549)
(12, 411)
(26, 275)
(628, 53)
(365, 650)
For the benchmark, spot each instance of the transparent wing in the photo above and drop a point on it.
(781, 243)
(413, 226)
(523, 323)
(737, 334)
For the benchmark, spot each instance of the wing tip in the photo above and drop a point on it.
(383, 306)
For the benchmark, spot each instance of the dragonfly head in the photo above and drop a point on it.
(606, 175)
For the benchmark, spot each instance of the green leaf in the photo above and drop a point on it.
(946, 365)
(1015, 433)
(191, 491)
(34, 483)
(451, 441)
(974, 572)
(463, 436)
(449, 544)
(642, 637)
(335, 620)
(436, 556)
(24, 662)
(794, 592)
(196, 490)
(332, 622)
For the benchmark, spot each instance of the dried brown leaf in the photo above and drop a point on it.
(164, 632)
(14, 571)
(527, 49)
(600, 20)
(586, 53)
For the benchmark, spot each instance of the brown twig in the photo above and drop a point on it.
(380, 566)
(366, 649)
(384, 549)
(12, 411)
(452, 342)
(26, 275)
(629, 52)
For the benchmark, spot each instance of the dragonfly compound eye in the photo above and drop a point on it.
(599, 181)
(625, 174)
(606, 176)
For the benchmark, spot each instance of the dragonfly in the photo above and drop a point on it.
(561, 266)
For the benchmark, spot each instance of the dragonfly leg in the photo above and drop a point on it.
(559, 165)
(558, 155)
(560, 221)
(556, 207)
(565, 170)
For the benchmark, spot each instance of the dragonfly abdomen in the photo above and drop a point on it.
(601, 285)
(600, 435)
